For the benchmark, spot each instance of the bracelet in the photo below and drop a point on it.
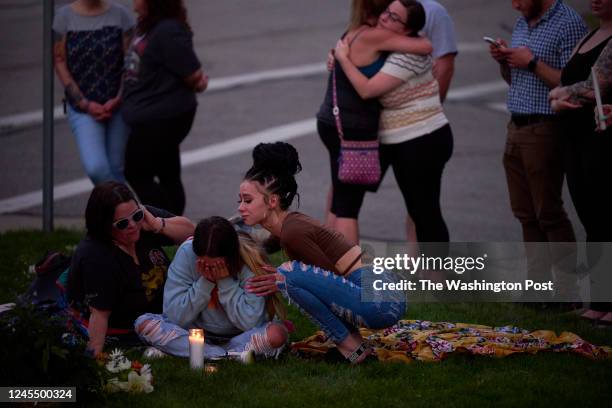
(163, 225)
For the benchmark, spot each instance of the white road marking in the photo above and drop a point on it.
(218, 150)
(473, 91)
(479, 46)
(224, 149)
(498, 106)
(208, 153)
(12, 123)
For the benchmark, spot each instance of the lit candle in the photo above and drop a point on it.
(210, 368)
(196, 348)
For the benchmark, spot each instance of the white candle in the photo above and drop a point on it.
(196, 348)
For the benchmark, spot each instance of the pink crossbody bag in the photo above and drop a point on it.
(358, 161)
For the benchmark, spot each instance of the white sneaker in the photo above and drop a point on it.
(152, 352)
(245, 357)
(259, 346)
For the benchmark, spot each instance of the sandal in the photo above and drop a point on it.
(360, 351)
(592, 318)
(604, 323)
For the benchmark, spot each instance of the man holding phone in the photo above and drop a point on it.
(542, 42)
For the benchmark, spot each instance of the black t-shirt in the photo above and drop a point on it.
(106, 278)
(578, 69)
(156, 67)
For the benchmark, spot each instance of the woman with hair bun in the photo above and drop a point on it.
(325, 278)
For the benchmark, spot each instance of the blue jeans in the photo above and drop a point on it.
(101, 144)
(172, 339)
(338, 305)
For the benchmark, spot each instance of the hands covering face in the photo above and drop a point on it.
(213, 269)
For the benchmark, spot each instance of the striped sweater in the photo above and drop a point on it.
(413, 109)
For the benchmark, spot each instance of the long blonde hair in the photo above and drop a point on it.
(363, 10)
(253, 256)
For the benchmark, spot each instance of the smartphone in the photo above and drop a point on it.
(492, 41)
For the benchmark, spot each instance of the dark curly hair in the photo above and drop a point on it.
(100, 210)
(274, 167)
(158, 10)
(416, 17)
(216, 237)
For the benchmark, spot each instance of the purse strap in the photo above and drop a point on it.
(336, 108)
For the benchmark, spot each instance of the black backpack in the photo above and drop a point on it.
(45, 291)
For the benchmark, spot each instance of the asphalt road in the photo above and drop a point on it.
(245, 36)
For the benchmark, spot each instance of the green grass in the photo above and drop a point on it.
(544, 379)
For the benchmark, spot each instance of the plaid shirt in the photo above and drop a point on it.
(552, 40)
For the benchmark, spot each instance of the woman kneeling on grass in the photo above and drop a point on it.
(118, 270)
(205, 289)
(331, 293)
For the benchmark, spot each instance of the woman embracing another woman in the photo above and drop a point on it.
(415, 136)
(358, 117)
(326, 277)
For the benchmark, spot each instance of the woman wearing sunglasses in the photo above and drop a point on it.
(118, 270)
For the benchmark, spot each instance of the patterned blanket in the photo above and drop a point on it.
(411, 340)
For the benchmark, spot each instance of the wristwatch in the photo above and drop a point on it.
(531, 67)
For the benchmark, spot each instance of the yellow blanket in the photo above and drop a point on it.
(411, 340)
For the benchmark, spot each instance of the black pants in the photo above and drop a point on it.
(346, 198)
(153, 161)
(418, 165)
(589, 177)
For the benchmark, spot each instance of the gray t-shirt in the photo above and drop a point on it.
(94, 48)
(156, 67)
(66, 19)
(439, 28)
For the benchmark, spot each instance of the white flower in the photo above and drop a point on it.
(139, 383)
(115, 354)
(146, 371)
(118, 362)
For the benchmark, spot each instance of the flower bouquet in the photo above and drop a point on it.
(121, 374)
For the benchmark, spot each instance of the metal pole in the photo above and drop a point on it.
(48, 9)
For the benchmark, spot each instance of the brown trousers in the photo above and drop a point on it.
(534, 165)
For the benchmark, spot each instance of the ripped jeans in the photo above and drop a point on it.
(172, 339)
(340, 305)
